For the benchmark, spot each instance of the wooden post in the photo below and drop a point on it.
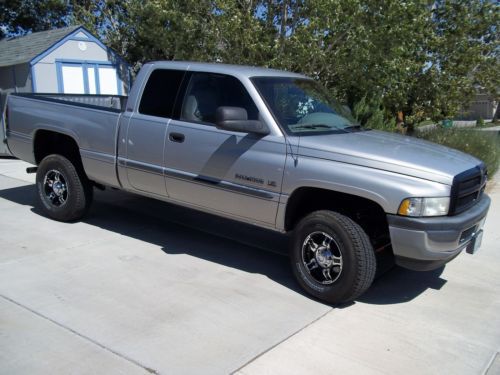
(400, 122)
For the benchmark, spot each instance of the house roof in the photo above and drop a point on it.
(23, 49)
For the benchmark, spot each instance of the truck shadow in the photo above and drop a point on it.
(176, 230)
(399, 285)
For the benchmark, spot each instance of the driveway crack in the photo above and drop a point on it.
(80, 335)
(281, 342)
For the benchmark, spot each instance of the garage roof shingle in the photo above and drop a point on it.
(23, 49)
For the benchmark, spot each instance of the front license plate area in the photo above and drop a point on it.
(475, 243)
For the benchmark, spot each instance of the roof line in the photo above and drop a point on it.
(60, 42)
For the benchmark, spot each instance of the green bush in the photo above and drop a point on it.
(426, 122)
(482, 145)
(480, 122)
(371, 114)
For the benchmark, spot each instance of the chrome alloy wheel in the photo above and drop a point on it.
(322, 257)
(55, 188)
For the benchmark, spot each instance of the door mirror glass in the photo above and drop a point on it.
(236, 119)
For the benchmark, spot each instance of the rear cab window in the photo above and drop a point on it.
(160, 93)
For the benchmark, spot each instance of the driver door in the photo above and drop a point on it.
(230, 173)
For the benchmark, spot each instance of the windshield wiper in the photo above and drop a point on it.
(312, 126)
(353, 127)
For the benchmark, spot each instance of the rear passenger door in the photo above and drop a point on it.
(232, 173)
(147, 130)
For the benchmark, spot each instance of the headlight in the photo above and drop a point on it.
(424, 207)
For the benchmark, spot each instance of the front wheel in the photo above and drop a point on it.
(64, 193)
(332, 257)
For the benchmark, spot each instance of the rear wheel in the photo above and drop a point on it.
(64, 193)
(332, 257)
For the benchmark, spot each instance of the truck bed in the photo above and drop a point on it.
(90, 120)
(105, 102)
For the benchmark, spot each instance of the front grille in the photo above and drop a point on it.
(468, 188)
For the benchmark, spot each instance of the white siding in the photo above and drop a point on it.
(45, 71)
(70, 50)
(81, 35)
(92, 77)
(45, 76)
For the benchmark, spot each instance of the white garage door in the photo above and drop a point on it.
(89, 79)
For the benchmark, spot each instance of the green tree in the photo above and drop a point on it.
(18, 17)
(423, 58)
(463, 53)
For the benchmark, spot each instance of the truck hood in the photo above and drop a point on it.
(389, 152)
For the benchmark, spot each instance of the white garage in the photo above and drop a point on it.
(67, 61)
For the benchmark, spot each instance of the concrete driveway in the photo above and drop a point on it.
(141, 286)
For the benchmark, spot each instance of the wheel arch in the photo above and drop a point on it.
(47, 142)
(369, 214)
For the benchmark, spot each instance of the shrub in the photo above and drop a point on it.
(370, 113)
(480, 144)
(480, 122)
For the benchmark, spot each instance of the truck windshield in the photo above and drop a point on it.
(302, 106)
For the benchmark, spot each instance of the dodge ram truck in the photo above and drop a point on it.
(265, 147)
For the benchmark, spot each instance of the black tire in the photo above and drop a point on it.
(64, 193)
(326, 240)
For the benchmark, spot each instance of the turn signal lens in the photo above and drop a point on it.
(417, 207)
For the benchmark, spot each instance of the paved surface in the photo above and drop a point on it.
(462, 124)
(491, 129)
(144, 287)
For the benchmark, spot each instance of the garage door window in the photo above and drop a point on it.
(73, 81)
(107, 81)
(86, 78)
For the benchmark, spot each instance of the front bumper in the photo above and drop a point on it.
(427, 243)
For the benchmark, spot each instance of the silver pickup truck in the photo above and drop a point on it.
(265, 147)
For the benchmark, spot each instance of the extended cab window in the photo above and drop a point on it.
(207, 91)
(159, 95)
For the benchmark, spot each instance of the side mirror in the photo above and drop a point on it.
(236, 119)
